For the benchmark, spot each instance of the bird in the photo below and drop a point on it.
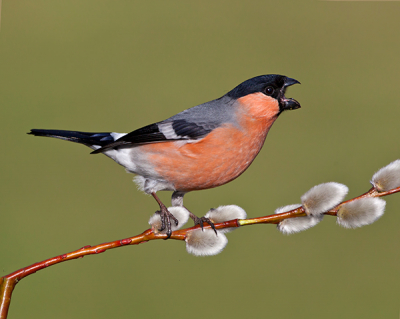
(202, 147)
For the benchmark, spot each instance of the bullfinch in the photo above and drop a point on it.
(202, 147)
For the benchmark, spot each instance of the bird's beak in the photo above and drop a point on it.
(285, 103)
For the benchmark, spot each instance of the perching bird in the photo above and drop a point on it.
(202, 147)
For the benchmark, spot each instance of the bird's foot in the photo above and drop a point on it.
(166, 218)
(201, 220)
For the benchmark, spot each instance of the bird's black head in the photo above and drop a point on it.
(273, 85)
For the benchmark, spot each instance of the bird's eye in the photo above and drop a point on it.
(269, 90)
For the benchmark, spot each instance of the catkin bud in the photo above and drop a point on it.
(387, 177)
(360, 212)
(323, 197)
(225, 213)
(205, 242)
(297, 224)
(180, 213)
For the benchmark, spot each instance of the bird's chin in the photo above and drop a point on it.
(289, 104)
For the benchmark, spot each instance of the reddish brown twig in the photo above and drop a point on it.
(8, 282)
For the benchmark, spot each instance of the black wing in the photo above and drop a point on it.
(174, 130)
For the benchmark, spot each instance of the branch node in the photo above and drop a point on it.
(125, 241)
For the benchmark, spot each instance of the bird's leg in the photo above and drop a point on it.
(201, 220)
(177, 200)
(166, 216)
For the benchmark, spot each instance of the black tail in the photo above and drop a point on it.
(88, 139)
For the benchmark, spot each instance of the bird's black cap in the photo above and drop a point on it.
(273, 85)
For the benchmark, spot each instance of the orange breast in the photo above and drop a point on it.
(219, 157)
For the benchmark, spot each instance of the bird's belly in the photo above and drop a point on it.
(216, 159)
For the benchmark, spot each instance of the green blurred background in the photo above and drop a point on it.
(119, 65)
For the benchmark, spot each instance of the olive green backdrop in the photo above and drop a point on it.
(118, 65)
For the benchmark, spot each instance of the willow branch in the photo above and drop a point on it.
(8, 282)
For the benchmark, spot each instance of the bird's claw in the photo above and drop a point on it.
(201, 220)
(166, 218)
